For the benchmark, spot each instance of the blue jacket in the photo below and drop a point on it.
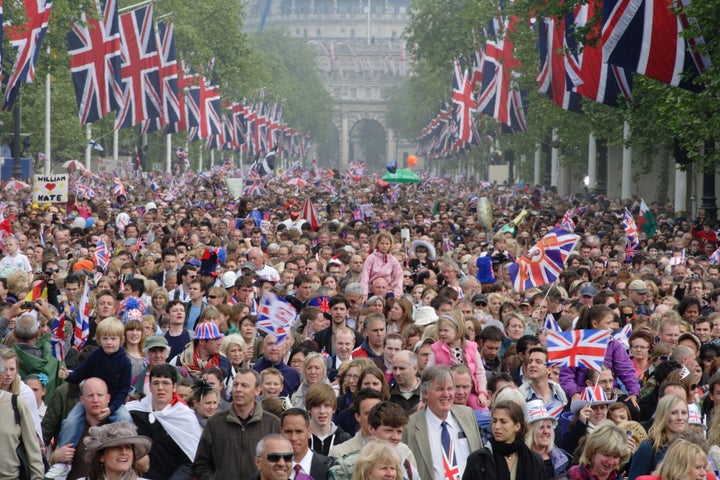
(291, 377)
(114, 369)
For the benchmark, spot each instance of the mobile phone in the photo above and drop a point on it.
(405, 234)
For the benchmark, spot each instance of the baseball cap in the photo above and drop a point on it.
(638, 286)
(479, 298)
(425, 340)
(588, 291)
(156, 341)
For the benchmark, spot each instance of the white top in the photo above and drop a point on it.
(460, 443)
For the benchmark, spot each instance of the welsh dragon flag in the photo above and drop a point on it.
(646, 220)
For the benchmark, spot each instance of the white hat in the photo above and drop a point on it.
(427, 245)
(425, 316)
(228, 279)
(535, 411)
(150, 206)
(591, 395)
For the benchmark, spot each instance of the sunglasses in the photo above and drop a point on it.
(275, 457)
(212, 296)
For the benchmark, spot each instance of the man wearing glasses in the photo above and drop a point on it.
(274, 458)
(171, 425)
(229, 441)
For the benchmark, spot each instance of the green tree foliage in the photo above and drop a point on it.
(658, 116)
(207, 32)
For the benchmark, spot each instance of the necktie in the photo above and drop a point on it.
(452, 472)
(297, 470)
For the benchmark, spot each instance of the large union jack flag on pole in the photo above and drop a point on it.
(578, 348)
(463, 101)
(646, 36)
(26, 40)
(140, 68)
(554, 79)
(499, 96)
(168, 73)
(94, 49)
(544, 261)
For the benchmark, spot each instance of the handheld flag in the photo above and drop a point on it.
(308, 214)
(577, 348)
(275, 316)
(82, 321)
(646, 219)
(543, 262)
(57, 336)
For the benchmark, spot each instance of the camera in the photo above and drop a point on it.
(29, 305)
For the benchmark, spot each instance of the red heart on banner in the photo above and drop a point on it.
(50, 186)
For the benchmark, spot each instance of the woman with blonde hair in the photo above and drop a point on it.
(684, 460)
(381, 263)
(234, 348)
(314, 370)
(606, 449)
(378, 461)
(671, 418)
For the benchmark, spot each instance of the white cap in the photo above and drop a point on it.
(150, 206)
(228, 279)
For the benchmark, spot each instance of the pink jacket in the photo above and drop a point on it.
(379, 265)
(442, 356)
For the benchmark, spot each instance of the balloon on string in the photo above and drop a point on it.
(412, 160)
(392, 167)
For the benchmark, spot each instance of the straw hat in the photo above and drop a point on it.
(115, 435)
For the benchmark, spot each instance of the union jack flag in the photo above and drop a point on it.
(82, 320)
(57, 336)
(553, 78)
(140, 68)
(593, 78)
(83, 190)
(715, 257)
(577, 348)
(168, 74)
(623, 335)
(254, 187)
(26, 40)
(499, 95)
(275, 316)
(647, 36)
(463, 104)
(632, 235)
(567, 222)
(551, 324)
(102, 254)
(544, 261)
(117, 187)
(94, 49)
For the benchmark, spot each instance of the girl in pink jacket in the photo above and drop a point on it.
(452, 348)
(381, 263)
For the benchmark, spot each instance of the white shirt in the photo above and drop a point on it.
(268, 273)
(305, 464)
(460, 443)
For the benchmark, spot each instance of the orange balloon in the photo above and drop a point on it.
(412, 160)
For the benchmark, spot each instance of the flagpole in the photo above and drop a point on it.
(48, 152)
(88, 148)
(168, 152)
(116, 141)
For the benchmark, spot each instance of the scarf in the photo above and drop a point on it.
(176, 418)
(191, 360)
(524, 460)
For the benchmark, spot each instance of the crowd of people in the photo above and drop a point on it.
(411, 356)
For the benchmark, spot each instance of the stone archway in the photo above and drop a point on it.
(368, 143)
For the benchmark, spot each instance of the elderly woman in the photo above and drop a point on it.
(234, 348)
(113, 451)
(314, 371)
(378, 461)
(606, 449)
(540, 438)
(507, 457)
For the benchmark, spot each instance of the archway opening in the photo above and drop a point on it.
(367, 143)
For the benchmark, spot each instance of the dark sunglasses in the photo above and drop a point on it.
(212, 296)
(275, 457)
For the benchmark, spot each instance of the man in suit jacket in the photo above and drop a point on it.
(295, 426)
(169, 264)
(423, 432)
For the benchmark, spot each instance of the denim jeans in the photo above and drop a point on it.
(72, 427)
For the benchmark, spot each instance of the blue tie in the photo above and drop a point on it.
(450, 467)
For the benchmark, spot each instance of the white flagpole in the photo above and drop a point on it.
(168, 152)
(88, 148)
(48, 129)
